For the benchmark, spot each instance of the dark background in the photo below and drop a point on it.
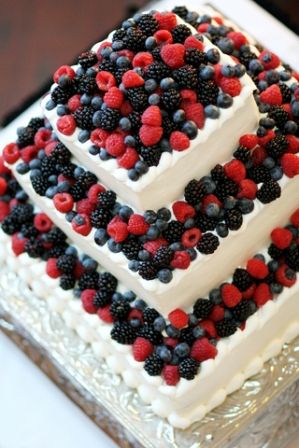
(36, 36)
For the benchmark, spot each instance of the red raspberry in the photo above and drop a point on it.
(248, 189)
(171, 374)
(63, 202)
(87, 298)
(231, 295)
(66, 125)
(4, 210)
(142, 59)
(193, 42)
(181, 260)
(42, 222)
(28, 153)
(269, 60)
(74, 103)
(105, 80)
(218, 19)
(142, 348)
(52, 269)
(262, 294)
(102, 45)
(127, 53)
(257, 268)
(99, 137)
(179, 141)
(84, 228)
(153, 246)
(135, 314)
(42, 137)
(285, 276)
(64, 70)
(94, 192)
(132, 79)
(281, 237)
(182, 211)
(203, 27)
(290, 164)
(118, 230)
(266, 138)
(235, 170)
(3, 168)
(173, 55)
(272, 95)
(79, 270)
(163, 37)
(191, 237)
(188, 96)
(196, 113)
(18, 244)
(232, 86)
(115, 145)
(238, 39)
(248, 140)
(11, 153)
(126, 108)
(217, 313)
(248, 293)
(293, 142)
(137, 225)
(85, 206)
(105, 315)
(209, 327)
(150, 135)
(202, 349)
(128, 159)
(152, 116)
(258, 155)
(166, 20)
(170, 342)
(295, 218)
(3, 186)
(210, 199)
(49, 148)
(12, 203)
(178, 318)
(114, 98)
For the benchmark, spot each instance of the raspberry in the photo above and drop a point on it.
(105, 315)
(49, 148)
(3, 186)
(4, 210)
(105, 80)
(28, 153)
(231, 295)
(178, 318)
(142, 348)
(235, 170)
(202, 350)
(285, 276)
(11, 153)
(272, 95)
(217, 313)
(142, 59)
(114, 98)
(257, 268)
(181, 260)
(293, 144)
(128, 159)
(85, 206)
(249, 141)
(99, 137)
(166, 20)
(152, 116)
(192, 42)
(238, 39)
(18, 244)
(248, 293)
(232, 86)
(153, 246)
(163, 37)
(118, 230)
(66, 125)
(203, 28)
(64, 70)
(63, 202)
(137, 225)
(262, 294)
(295, 218)
(150, 135)
(42, 222)
(81, 224)
(171, 374)
(52, 269)
(87, 298)
(132, 79)
(209, 327)
(191, 237)
(248, 189)
(269, 60)
(179, 141)
(195, 112)
(282, 238)
(188, 96)
(210, 199)
(74, 103)
(94, 191)
(290, 164)
(182, 211)
(173, 55)
(115, 145)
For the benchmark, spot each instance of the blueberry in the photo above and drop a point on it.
(117, 45)
(267, 122)
(154, 99)
(229, 203)
(71, 250)
(212, 111)
(261, 131)
(276, 173)
(150, 43)
(222, 229)
(138, 70)
(96, 118)
(209, 184)
(41, 154)
(176, 246)
(212, 210)
(116, 296)
(144, 255)
(182, 350)
(206, 72)
(83, 136)
(153, 232)
(128, 24)
(213, 55)
(104, 155)
(255, 66)
(53, 179)
(130, 141)
(192, 16)
(192, 253)
(100, 237)
(205, 18)
(198, 332)
(165, 145)
(190, 129)
(141, 167)
(273, 265)
(150, 216)
(135, 323)
(133, 175)
(140, 304)
(133, 265)
(164, 353)
(161, 224)
(63, 187)
(260, 257)
(125, 124)
(21, 196)
(50, 192)
(70, 216)
(193, 320)
(226, 45)
(224, 100)
(228, 71)
(123, 62)
(285, 75)
(165, 275)
(113, 246)
(178, 116)
(227, 314)
(85, 99)
(189, 223)
(272, 76)
(164, 213)
(245, 205)
(172, 332)
(129, 296)
(290, 127)
(125, 212)
(50, 105)
(80, 71)
(167, 83)
(150, 85)
(22, 168)
(93, 150)
(240, 70)
(106, 51)
(269, 163)
(96, 102)
(159, 324)
(262, 85)
(215, 296)
(264, 108)
(79, 171)
(295, 108)
(61, 110)
(276, 288)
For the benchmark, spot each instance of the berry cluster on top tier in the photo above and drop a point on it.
(147, 92)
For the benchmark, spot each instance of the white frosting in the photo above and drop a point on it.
(214, 144)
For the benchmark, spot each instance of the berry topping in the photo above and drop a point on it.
(178, 318)
(231, 295)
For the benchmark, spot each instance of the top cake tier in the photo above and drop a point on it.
(152, 106)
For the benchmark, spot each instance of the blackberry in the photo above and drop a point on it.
(156, 53)
(171, 99)
(218, 173)
(168, 126)
(135, 119)
(78, 192)
(35, 123)
(148, 24)
(119, 73)
(149, 315)
(89, 280)
(259, 174)
(13, 185)
(29, 231)
(107, 66)
(275, 252)
(202, 308)
(187, 336)
(131, 248)
(286, 92)
(246, 56)
(108, 119)
(83, 117)
(277, 146)
(188, 368)
(48, 166)
(34, 248)
(208, 243)
(135, 39)
(233, 219)
(25, 137)
(55, 236)
(163, 257)
(61, 154)
(118, 34)
(55, 251)
(205, 223)
(279, 115)
(86, 84)
(87, 59)
(292, 258)
(242, 311)
(180, 33)
(22, 213)
(87, 179)
(153, 365)
(226, 327)
(66, 169)
(40, 185)
(226, 187)
(100, 218)
(66, 263)
(242, 279)
(207, 92)
(180, 11)
(174, 231)
(147, 270)
(120, 309)
(107, 199)
(194, 192)
(67, 281)
(101, 299)
(270, 278)
(186, 77)
(158, 71)
(268, 192)
(242, 154)
(9, 225)
(61, 96)
(195, 57)
(151, 155)
(107, 282)
(123, 333)
(138, 98)
(149, 332)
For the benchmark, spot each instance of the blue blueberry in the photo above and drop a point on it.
(276, 288)
(93, 150)
(206, 72)
(176, 246)
(20, 196)
(167, 83)
(269, 163)
(261, 131)
(153, 232)
(215, 296)
(165, 275)
(212, 210)
(104, 155)
(165, 145)
(229, 203)
(63, 187)
(85, 99)
(123, 61)
(140, 304)
(135, 323)
(161, 224)
(164, 213)
(192, 253)
(240, 70)
(226, 45)
(213, 55)
(133, 175)
(276, 173)
(295, 108)
(290, 127)
(245, 205)
(100, 237)
(154, 99)
(228, 71)
(79, 171)
(190, 129)
(125, 124)
(159, 324)
(172, 332)
(273, 265)
(255, 66)
(83, 136)
(150, 85)
(125, 212)
(227, 314)
(133, 265)
(117, 45)
(209, 184)
(50, 105)
(178, 116)
(272, 76)
(260, 257)
(70, 216)
(130, 141)
(182, 350)
(150, 43)
(222, 229)
(205, 18)
(144, 255)
(23, 168)
(106, 51)
(53, 179)
(193, 320)
(96, 102)
(91, 72)
(189, 223)
(164, 353)
(41, 154)
(113, 246)
(267, 122)
(141, 167)
(212, 111)
(51, 191)
(224, 100)
(71, 250)
(150, 216)
(61, 110)
(129, 296)
(285, 75)
(198, 332)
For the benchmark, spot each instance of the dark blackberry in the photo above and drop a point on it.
(78, 192)
(151, 155)
(87, 59)
(123, 333)
(286, 92)
(119, 34)
(259, 174)
(148, 24)
(149, 315)
(13, 186)
(246, 56)
(153, 365)
(55, 236)
(275, 252)
(135, 119)
(34, 248)
(35, 123)
(107, 66)
(119, 73)
(292, 258)
(9, 225)
(168, 126)
(131, 248)
(120, 309)
(163, 257)
(186, 77)
(107, 199)
(194, 192)
(66, 169)
(86, 84)
(22, 213)
(101, 299)
(242, 279)
(218, 173)
(66, 263)
(138, 98)
(55, 251)
(233, 219)
(61, 95)
(25, 137)
(202, 308)
(186, 335)
(242, 154)
(67, 281)
(268, 192)
(83, 117)
(226, 327)
(61, 154)
(277, 146)
(171, 99)
(149, 332)
(40, 184)
(100, 218)
(157, 71)
(29, 231)
(147, 270)
(87, 179)
(109, 119)
(207, 92)
(89, 280)
(188, 368)
(107, 282)
(135, 39)
(205, 223)
(48, 166)
(174, 231)
(180, 11)
(180, 33)
(195, 57)
(242, 311)
(270, 278)
(226, 187)
(208, 243)
(156, 53)
(279, 115)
